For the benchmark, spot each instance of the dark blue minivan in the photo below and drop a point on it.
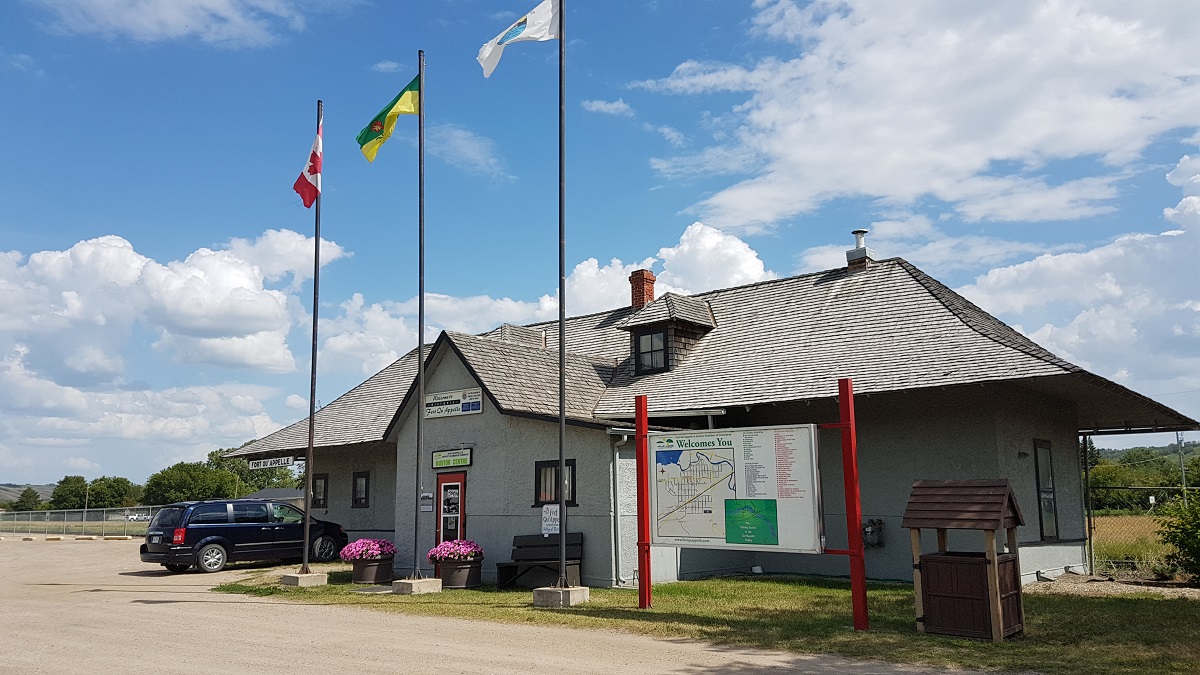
(211, 533)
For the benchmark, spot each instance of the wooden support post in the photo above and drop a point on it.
(941, 532)
(993, 579)
(915, 536)
(1012, 548)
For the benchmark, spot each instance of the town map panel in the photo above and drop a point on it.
(748, 489)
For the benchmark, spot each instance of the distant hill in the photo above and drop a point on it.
(9, 492)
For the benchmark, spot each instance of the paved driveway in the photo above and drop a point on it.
(93, 607)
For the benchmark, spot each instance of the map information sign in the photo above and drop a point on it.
(753, 488)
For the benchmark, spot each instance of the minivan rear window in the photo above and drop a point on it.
(167, 517)
(209, 513)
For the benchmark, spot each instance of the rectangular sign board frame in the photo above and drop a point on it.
(451, 403)
(746, 489)
(272, 463)
(453, 458)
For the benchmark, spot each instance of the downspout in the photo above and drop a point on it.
(616, 509)
(1087, 501)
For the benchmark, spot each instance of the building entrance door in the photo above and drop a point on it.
(452, 502)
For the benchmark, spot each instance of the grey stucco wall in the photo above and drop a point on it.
(500, 481)
(378, 520)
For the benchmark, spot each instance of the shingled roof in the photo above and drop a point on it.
(890, 327)
(520, 379)
(671, 307)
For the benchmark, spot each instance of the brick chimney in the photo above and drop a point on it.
(859, 257)
(641, 285)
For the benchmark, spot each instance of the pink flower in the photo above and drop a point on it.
(455, 549)
(368, 549)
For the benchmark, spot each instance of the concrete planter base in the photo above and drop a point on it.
(561, 597)
(416, 586)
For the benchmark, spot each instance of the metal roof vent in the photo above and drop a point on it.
(860, 256)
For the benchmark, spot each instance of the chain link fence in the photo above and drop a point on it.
(131, 521)
(1124, 533)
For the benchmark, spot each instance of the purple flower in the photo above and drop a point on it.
(368, 549)
(455, 549)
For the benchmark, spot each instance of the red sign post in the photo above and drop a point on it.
(642, 435)
(855, 550)
(854, 539)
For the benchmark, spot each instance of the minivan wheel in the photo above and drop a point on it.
(212, 558)
(325, 549)
(177, 569)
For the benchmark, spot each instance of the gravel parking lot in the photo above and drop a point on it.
(94, 607)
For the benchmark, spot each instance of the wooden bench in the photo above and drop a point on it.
(536, 552)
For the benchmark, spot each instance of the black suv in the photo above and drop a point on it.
(211, 533)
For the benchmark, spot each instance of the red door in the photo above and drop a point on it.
(451, 506)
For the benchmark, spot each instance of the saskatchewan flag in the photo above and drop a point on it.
(407, 102)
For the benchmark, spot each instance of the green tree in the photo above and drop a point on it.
(70, 493)
(110, 492)
(1088, 454)
(1107, 479)
(251, 480)
(1179, 528)
(188, 481)
(29, 500)
(1150, 467)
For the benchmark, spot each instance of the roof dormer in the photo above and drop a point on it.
(664, 331)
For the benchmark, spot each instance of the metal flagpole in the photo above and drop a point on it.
(312, 383)
(416, 573)
(562, 300)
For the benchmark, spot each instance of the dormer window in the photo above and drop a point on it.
(651, 356)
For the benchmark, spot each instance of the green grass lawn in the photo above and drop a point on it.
(1063, 634)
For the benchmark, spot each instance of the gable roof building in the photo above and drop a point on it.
(936, 368)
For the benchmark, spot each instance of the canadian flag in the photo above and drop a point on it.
(308, 185)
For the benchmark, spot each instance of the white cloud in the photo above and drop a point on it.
(706, 258)
(915, 238)
(81, 464)
(618, 108)
(670, 134)
(371, 336)
(970, 104)
(386, 67)
(465, 150)
(225, 23)
(283, 253)
(23, 63)
(364, 338)
(296, 402)
(1128, 309)
(9, 460)
(122, 430)
(71, 313)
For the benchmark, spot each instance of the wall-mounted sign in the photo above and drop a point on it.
(450, 403)
(753, 488)
(549, 519)
(447, 459)
(273, 463)
(427, 502)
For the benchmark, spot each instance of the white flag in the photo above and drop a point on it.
(539, 24)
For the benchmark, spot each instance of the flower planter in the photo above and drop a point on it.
(373, 570)
(460, 573)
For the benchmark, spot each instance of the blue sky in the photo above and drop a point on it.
(155, 266)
